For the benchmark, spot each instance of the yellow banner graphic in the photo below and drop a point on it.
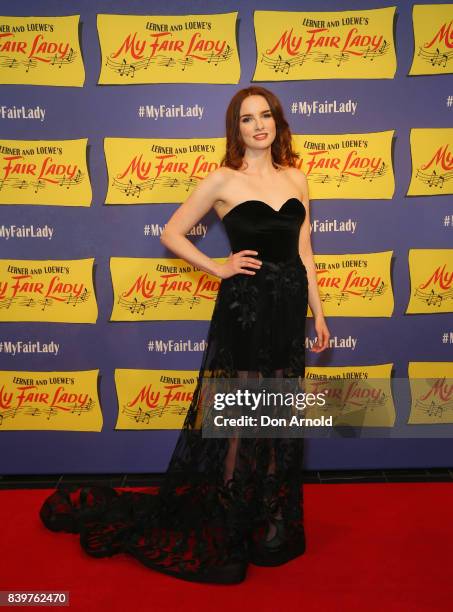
(44, 172)
(355, 396)
(161, 290)
(431, 392)
(325, 45)
(347, 165)
(150, 170)
(51, 290)
(431, 274)
(355, 284)
(433, 32)
(153, 399)
(432, 161)
(168, 49)
(50, 400)
(41, 51)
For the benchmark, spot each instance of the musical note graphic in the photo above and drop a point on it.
(341, 179)
(145, 416)
(187, 61)
(343, 57)
(8, 62)
(129, 69)
(61, 61)
(435, 58)
(15, 183)
(433, 409)
(51, 60)
(434, 179)
(10, 413)
(51, 411)
(432, 298)
(6, 302)
(136, 189)
(282, 64)
(136, 306)
(373, 174)
(322, 58)
(319, 177)
(46, 302)
(31, 302)
(78, 409)
(68, 182)
(344, 295)
(373, 53)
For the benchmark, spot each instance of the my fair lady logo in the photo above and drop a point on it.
(354, 164)
(204, 287)
(46, 169)
(353, 42)
(138, 48)
(38, 48)
(352, 394)
(23, 285)
(32, 396)
(355, 283)
(174, 393)
(167, 165)
(441, 161)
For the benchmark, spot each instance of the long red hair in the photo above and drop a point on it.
(281, 149)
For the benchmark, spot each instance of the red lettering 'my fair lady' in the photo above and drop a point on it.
(353, 164)
(205, 287)
(164, 41)
(46, 171)
(39, 46)
(167, 164)
(152, 399)
(60, 399)
(353, 283)
(54, 289)
(291, 43)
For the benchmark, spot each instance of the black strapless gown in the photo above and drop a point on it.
(223, 503)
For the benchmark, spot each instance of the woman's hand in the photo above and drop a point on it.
(235, 264)
(323, 335)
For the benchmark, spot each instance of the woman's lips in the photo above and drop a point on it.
(260, 136)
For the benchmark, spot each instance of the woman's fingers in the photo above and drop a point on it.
(251, 262)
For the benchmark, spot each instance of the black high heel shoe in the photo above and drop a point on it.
(279, 549)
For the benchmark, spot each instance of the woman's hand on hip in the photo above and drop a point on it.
(239, 263)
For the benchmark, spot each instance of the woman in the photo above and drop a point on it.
(226, 502)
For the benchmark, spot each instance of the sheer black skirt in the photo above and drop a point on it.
(224, 502)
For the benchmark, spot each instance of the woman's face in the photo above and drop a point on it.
(256, 123)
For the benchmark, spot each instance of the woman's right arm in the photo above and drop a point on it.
(197, 205)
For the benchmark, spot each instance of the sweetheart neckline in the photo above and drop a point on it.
(275, 210)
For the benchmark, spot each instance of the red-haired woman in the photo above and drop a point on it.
(226, 502)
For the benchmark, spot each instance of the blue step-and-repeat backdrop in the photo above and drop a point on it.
(112, 112)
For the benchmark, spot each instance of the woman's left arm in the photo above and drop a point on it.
(306, 254)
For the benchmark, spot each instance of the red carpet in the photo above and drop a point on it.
(385, 547)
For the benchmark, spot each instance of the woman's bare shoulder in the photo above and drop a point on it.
(295, 172)
(219, 178)
(223, 173)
